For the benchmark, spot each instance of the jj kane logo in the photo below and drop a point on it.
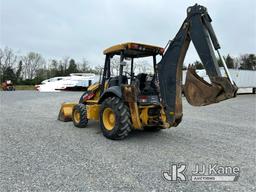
(202, 172)
(176, 173)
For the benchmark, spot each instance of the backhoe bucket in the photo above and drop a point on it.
(65, 113)
(198, 92)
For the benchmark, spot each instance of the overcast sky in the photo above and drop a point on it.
(83, 28)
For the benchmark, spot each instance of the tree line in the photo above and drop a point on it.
(244, 62)
(33, 68)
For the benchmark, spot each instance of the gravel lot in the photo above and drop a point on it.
(39, 153)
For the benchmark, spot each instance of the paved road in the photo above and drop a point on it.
(39, 153)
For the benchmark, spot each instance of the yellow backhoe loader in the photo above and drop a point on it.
(128, 101)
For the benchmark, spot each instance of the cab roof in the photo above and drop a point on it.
(134, 50)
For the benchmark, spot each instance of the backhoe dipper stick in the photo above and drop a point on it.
(225, 67)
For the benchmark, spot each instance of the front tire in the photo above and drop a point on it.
(115, 120)
(79, 115)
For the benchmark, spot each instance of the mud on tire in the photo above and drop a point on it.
(122, 123)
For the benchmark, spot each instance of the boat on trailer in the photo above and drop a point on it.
(73, 82)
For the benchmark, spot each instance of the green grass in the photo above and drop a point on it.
(23, 87)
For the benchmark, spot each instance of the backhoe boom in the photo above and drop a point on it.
(198, 29)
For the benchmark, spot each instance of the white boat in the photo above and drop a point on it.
(74, 82)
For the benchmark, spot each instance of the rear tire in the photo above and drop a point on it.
(79, 115)
(115, 120)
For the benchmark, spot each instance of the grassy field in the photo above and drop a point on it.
(23, 87)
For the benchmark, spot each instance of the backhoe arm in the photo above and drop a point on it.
(196, 27)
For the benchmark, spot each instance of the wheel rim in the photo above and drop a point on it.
(77, 116)
(109, 119)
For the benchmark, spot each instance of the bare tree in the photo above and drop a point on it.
(114, 66)
(139, 66)
(32, 62)
(85, 66)
(98, 69)
(1, 56)
(236, 63)
(65, 61)
(1, 65)
(8, 60)
(143, 66)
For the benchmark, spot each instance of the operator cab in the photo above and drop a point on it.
(121, 68)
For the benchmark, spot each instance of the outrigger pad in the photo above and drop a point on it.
(65, 113)
(198, 92)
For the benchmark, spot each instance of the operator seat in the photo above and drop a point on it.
(141, 79)
(113, 81)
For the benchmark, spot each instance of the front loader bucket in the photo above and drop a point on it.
(65, 113)
(198, 92)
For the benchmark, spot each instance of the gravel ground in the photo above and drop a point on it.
(39, 153)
